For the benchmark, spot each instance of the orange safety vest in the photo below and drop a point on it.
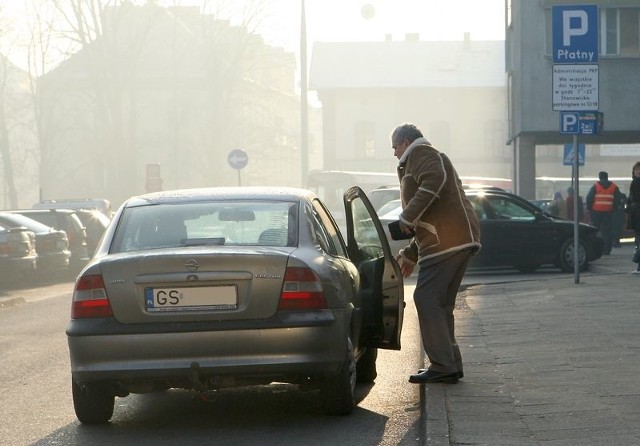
(603, 199)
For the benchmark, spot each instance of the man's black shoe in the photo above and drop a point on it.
(429, 376)
(460, 373)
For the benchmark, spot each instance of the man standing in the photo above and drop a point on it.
(447, 233)
(600, 201)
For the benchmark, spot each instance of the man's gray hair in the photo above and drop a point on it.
(408, 131)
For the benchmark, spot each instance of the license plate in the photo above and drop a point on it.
(191, 298)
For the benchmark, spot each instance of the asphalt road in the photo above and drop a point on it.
(36, 406)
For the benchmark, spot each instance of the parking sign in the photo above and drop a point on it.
(575, 34)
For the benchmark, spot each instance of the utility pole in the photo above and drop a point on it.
(304, 124)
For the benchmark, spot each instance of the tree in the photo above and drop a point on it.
(146, 84)
(18, 158)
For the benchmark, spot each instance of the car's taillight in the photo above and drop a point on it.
(302, 290)
(90, 298)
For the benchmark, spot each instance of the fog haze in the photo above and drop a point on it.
(117, 98)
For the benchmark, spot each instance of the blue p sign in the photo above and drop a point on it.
(569, 123)
(575, 34)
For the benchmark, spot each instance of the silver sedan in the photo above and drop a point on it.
(211, 288)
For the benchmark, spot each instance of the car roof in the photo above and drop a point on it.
(222, 193)
(43, 211)
(499, 193)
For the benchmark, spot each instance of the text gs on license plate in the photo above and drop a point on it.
(191, 298)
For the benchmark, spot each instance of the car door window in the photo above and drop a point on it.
(365, 232)
(479, 210)
(326, 233)
(506, 209)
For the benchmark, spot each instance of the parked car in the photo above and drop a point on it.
(99, 204)
(382, 195)
(52, 245)
(222, 287)
(68, 221)
(96, 223)
(17, 252)
(516, 233)
(385, 198)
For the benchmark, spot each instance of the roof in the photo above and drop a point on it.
(408, 64)
(222, 193)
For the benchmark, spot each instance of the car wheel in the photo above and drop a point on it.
(338, 391)
(366, 367)
(565, 256)
(93, 402)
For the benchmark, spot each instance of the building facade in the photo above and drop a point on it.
(454, 91)
(534, 127)
(174, 90)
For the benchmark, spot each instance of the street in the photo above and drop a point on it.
(36, 406)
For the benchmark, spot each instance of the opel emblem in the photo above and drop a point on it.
(192, 265)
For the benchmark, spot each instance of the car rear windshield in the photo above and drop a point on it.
(237, 223)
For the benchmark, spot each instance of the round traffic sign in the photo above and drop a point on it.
(238, 159)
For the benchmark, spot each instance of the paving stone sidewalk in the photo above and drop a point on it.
(547, 362)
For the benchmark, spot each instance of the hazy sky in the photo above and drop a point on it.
(371, 20)
(345, 20)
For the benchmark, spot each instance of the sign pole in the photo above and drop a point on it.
(576, 214)
(575, 87)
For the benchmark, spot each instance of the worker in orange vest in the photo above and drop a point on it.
(600, 201)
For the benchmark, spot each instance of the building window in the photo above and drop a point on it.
(364, 139)
(620, 31)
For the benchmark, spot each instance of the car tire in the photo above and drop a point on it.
(565, 256)
(366, 371)
(338, 391)
(93, 402)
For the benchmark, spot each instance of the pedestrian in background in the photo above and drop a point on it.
(447, 233)
(600, 200)
(558, 207)
(633, 212)
(570, 206)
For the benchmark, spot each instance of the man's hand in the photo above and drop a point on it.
(406, 229)
(406, 267)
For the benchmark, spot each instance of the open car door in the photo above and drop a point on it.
(382, 285)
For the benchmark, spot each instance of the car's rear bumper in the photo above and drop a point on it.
(275, 352)
(17, 265)
(53, 262)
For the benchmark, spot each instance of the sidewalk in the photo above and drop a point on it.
(547, 362)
